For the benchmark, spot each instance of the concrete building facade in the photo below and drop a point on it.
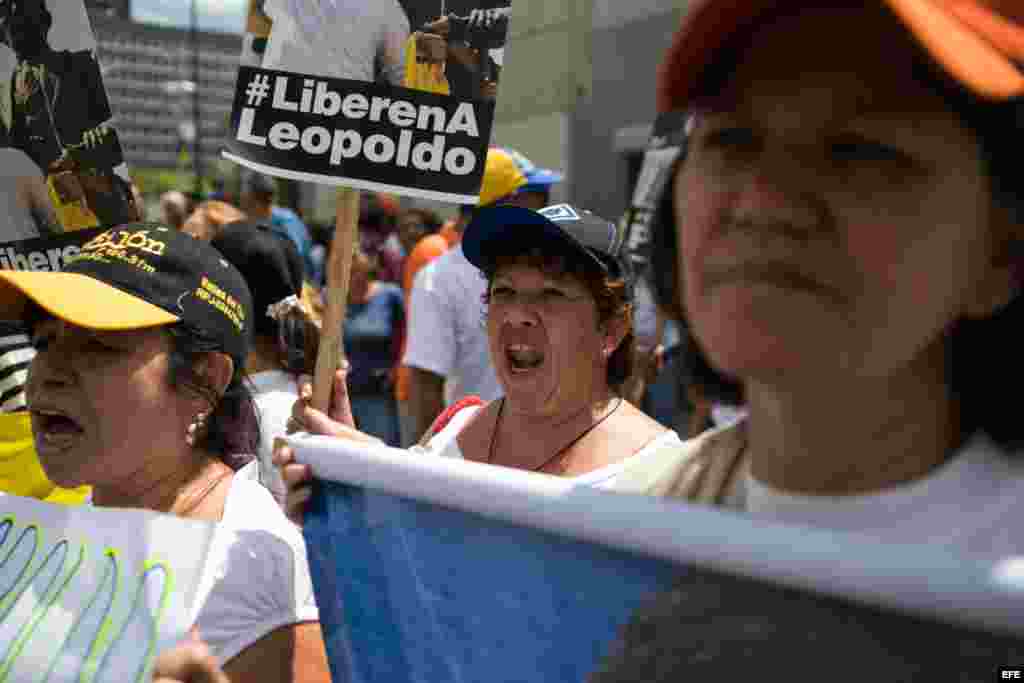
(577, 94)
(140, 63)
(578, 90)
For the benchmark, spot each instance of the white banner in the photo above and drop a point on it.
(90, 594)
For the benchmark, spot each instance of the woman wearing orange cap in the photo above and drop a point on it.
(847, 246)
(843, 239)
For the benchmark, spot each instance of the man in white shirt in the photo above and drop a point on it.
(446, 338)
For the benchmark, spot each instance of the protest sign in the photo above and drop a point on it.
(44, 253)
(88, 594)
(368, 95)
(430, 569)
(667, 142)
(63, 168)
(22, 473)
(371, 94)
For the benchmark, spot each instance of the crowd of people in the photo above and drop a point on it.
(836, 263)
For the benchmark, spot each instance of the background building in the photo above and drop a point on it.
(147, 71)
(578, 91)
(113, 8)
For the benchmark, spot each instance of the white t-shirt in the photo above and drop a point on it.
(337, 38)
(973, 502)
(256, 578)
(446, 445)
(446, 333)
(274, 392)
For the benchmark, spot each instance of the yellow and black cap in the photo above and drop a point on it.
(136, 276)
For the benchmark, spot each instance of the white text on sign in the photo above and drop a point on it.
(315, 97)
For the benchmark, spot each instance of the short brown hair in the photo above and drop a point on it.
(208, 218)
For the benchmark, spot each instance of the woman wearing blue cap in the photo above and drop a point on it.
(559, 325)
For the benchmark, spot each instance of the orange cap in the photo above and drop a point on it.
(977, 42)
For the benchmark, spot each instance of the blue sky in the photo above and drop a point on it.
(214, 15)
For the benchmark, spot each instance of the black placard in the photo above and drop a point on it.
(44, 253)
(359, 134)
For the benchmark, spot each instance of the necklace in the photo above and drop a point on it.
(562, 450)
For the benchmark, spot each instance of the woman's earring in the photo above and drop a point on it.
(196, 428)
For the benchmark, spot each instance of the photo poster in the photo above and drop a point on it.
(432, 570)
(666, 145)
(89, 594)
(383, 95)
(62, 164)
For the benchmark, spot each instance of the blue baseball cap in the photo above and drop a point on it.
(503, 229)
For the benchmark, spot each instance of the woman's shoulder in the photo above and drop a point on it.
(255, 527)
(637, 423)
(256, 578)
(630, 431)
(453, 425)
(250, 506)
(702, 468)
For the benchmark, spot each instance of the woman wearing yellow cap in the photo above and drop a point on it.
(137, 389)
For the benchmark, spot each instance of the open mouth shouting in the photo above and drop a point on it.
(523, 358)
(54, 429)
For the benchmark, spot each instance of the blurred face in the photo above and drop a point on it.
(257, 204)
(545, 339)
(101, 404)
(411, 230)
(832, 212)
(359, 275)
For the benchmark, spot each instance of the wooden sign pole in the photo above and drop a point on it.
(339, 268)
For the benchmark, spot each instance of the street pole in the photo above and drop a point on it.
(197, 162)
